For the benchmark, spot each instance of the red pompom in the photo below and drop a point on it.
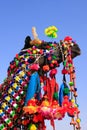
(0, 86)
(65, 103)
(46, 68)
(45, 88)
(32, 102)
(37, 118)
(64, 71)
(34, 67)
(41, 51)
(28, 73)
(49, 58)
(53, 72)
(17, 56)
(68, 38)
(51, 65)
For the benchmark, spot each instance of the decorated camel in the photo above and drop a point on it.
(30, 93)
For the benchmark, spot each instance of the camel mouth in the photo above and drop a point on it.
(76, 51)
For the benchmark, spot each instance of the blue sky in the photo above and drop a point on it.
(16, 20)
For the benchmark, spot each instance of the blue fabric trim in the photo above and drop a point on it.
(61, 94)
(33, 87)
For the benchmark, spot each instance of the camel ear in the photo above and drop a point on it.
(27, 39)
(76, 51)
(27, 43)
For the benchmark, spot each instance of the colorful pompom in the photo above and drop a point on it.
(51, 31)
(46, 68)
(53, 72)
(68, 38)
(34, 67)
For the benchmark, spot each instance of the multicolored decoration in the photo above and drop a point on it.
(30, 94)
(51, 31)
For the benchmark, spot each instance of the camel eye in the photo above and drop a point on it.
(72, 44)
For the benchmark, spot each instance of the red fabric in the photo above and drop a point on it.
(42, 126)
(48, 88)
(52, 123)
(52, 87)
(37, 118)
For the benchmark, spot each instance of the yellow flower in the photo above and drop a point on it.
(78, 120)
(73, 101)
(45, 103)
(3, 105)
(33, 127)
(1, 111)
(7, 98)
(51, 31)
(10, 90)
(14, 85)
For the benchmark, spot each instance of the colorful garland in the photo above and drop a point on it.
(54, 102)
(51, 108)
